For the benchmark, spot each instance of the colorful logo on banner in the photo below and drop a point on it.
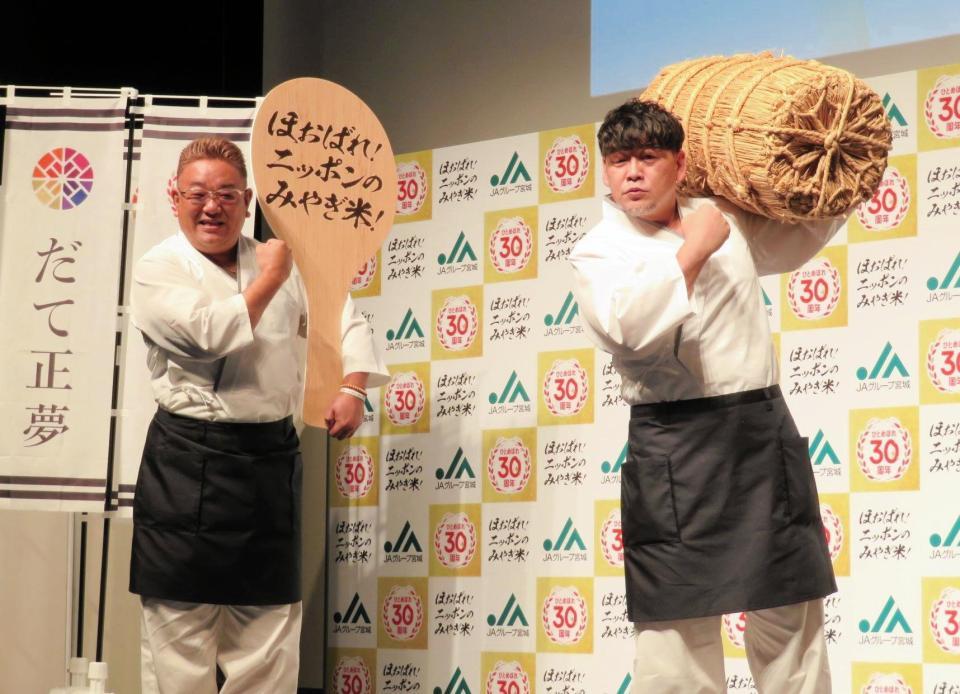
(815, 296)
(943, 286)
(889, 620)
(734, 628)
(405, 547)
(405, 400)
(354, 469)
(457, 323)
(946, 545)
(892, 211)
(567, 172)
(510, 237)
(883, 442)
(941, 605)
(887, 678)
(355, 620)
(564, 624)
(408, 330)
(821, 451)
(511, 464)
(456, 540)
(367, 280)
(940, 361)
(170, 191)
(608, 538)
(567, 545)
(888, 365)
(511, 621)
(62, 178)
(460, 257)
(402, 612)
(458, 474)
(508, 673)
(567, 387)
(512, 398)
(414, 201)
(354, 670)
(457, 684)
(514, 179)
(835, 514)
(565, 316)
(938, 99)
(611, 471)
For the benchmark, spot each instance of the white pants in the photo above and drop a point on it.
(182, 643)
(786, 652)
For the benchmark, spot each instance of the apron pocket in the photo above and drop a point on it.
(275, 503)
(646, 499)
(801, 488)
(167, 493)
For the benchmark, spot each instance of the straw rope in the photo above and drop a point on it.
(784, 138)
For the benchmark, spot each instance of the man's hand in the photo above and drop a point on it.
(344, 416)
(275, 260)
(704, 231)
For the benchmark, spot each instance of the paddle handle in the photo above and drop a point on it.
(324, 359)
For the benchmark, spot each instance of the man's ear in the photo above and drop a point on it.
(681, 165)
(247, 197)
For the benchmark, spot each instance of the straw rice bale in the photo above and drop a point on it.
(787, 139)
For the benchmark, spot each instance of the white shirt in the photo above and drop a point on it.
(206, 361)
(668, 346)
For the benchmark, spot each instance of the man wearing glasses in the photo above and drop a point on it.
(216, 539)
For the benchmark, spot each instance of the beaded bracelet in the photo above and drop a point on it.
(359, 395)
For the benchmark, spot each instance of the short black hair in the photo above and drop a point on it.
(637, 124)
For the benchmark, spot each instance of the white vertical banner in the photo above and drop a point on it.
(167, 129)
(61, 229)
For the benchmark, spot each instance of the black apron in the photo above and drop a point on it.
(720, 509)
(216, 516)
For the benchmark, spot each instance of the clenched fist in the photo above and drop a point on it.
(275, 260)
(705, 229)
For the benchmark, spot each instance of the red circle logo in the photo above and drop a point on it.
(509, 465)
(404, 399)
(564, 615)
(884, 450)
(814, 290)
(566, 164)
(455, 540)
(507, 678)
(942, 108)
(457, 323)
(943, 361)
(511, 245)
(411, 187)
(889, 204)
(402, 613)
(354, 472)
(565, 388)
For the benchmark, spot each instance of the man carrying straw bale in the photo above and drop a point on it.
(718, 500)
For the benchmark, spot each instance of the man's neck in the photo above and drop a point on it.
(226, 260)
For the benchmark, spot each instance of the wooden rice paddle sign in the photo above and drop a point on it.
(327, 184)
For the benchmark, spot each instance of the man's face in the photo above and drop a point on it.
(644, 181)
(211, 223)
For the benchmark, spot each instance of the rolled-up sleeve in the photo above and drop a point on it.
(358, 348)
(627, 303)
(170, 309)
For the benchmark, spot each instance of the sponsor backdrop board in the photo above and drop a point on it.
(475, 540)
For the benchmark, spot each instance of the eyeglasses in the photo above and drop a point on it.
(225, 197)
